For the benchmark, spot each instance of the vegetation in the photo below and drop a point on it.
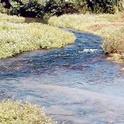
(114, 42)
(16, 37)
(23, 35)
(110, 27)
(18, 113)
(87, 22)
(46, 8)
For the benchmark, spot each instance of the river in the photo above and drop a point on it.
(75, 84)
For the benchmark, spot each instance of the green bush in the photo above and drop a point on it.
(104, 6)
(28, 9)
(60, 7)
(41, 8)
(96, 6)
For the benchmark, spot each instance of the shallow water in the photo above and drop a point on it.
(76, 84)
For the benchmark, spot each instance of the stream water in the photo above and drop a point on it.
(75, 84)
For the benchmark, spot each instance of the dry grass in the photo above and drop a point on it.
(14, 19)
(18, 113)
(17, 37)
(110, 27)
(84, 22)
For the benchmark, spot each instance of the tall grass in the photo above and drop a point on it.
(17, 37)
(18, 113)
(83, 22)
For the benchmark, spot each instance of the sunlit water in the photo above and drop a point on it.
(76, 84)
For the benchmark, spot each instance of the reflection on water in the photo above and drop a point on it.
(76, 84)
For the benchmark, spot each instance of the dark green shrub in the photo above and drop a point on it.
(39, 9)
(46, 8)
(104, 6)
(29, 9)
(96, 6)
(60, 7)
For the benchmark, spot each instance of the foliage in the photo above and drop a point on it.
(28, 9)
(18, 113)
(60, 7)
(19, 37)
(37, 8)
(104, 6)
(41, 8)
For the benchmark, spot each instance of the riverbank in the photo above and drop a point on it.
(17, 36)
(108, 26)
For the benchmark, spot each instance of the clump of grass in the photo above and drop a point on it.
(114, 39)
(16, 38)
(18, 113)
(118, 58)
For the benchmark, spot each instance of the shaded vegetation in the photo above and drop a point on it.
(47, 8)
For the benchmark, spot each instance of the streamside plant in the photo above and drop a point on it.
(22, 113)
(17, 37)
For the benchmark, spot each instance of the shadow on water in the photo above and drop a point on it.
(76, 84)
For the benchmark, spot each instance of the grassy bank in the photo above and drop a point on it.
(18, 113)
(110, 27)
(16, 36)
(84, 22)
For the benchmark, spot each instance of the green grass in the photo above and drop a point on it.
(18, 113)
(16, 36)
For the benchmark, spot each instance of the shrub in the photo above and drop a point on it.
(18, 113)
(28, 9)
(114, 39)
(104, 6)
(60, 7)
(41, 8)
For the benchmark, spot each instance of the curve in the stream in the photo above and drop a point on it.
(76, 84)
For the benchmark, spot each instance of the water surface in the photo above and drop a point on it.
(76, 84)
